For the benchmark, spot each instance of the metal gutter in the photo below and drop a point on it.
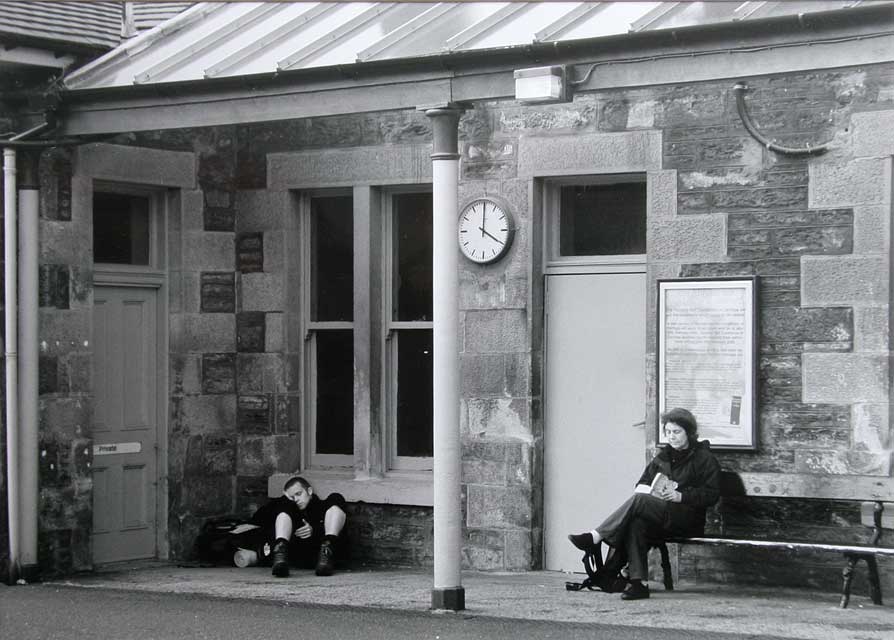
(873, 16)
(629, 60)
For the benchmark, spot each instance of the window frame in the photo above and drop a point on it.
(391, 328)
(157, 210)
(556, 263)
(309, 330)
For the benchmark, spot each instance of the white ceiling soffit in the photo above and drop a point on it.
(214, 40)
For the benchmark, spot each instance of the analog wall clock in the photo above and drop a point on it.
(486, 230)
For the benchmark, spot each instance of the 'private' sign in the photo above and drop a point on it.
(116, 447)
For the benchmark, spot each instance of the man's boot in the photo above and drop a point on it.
(325, 559)
(281, 558)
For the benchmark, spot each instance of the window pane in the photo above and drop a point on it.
(332, 258)
(412, 286)
(335, 392)
(415, 415)
(603, 219)
(120, 228)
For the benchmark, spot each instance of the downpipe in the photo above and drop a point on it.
(10, 301)
(21, 249)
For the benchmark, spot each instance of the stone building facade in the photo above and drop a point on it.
(816, 231)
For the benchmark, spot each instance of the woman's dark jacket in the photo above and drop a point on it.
(697, 474)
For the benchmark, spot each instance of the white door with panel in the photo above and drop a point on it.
(125, 424)
(594, 439)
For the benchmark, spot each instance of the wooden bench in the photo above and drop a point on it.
(875, 513)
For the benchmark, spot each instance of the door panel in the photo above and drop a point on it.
(125, 427)
(594, 440)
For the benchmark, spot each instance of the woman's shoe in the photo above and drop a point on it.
(583, 541)
(635, 591)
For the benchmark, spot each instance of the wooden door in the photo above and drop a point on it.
(125, 424)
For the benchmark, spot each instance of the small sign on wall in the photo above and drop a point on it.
(117, 448)
(706, 356)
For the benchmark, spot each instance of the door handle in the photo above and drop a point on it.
(637, 425)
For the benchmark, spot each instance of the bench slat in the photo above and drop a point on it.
(776, 544)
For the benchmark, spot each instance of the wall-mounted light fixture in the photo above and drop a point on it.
(542, 84)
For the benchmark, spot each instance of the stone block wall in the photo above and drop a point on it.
(65, 387)
(235, 365)
(816, 231)
(234, 390)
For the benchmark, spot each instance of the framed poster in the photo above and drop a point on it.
(707, 355)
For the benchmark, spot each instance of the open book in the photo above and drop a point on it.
(659, 483)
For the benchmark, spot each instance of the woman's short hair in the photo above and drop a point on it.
(295, 480)
(683, 418)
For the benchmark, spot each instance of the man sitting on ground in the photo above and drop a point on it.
(297, 528)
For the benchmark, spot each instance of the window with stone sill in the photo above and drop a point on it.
(405, 343)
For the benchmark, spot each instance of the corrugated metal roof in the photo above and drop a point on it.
(213, 40)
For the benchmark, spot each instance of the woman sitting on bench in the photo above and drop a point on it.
(658, 509)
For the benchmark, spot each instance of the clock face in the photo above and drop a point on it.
(485, 231)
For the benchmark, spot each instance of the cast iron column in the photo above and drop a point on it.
(29, 229)
(447, 592)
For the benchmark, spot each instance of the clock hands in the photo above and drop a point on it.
(485, 233)
(482, 229)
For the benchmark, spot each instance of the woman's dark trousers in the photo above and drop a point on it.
(640, 520)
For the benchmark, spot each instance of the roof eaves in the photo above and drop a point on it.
(863, 15)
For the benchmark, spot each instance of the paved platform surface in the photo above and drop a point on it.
(536, 595)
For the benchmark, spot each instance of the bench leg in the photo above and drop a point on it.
(875, 587)
(666, 567)
(848, 575)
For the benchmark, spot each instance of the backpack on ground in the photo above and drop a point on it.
(603, 573)
(215, 543)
